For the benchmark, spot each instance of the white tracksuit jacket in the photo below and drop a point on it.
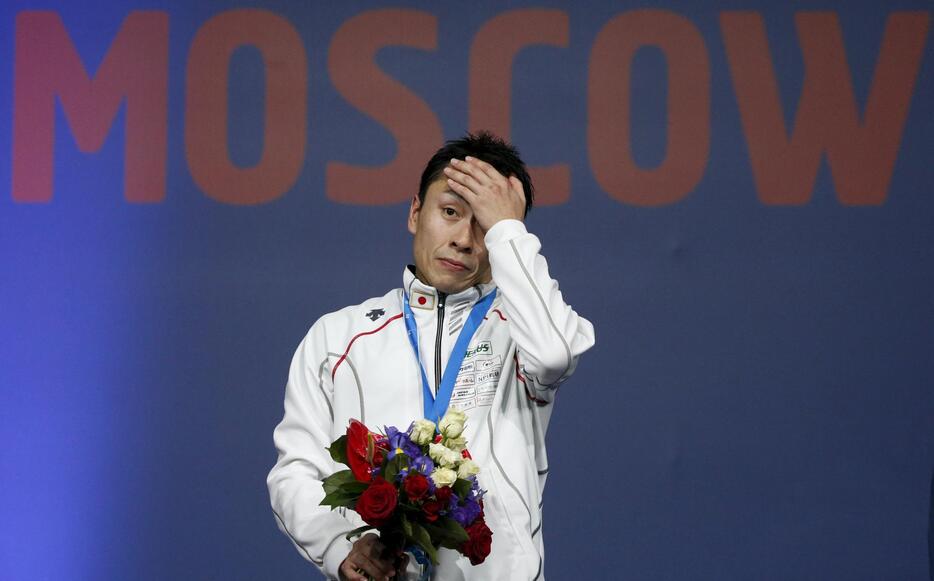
(358, 363)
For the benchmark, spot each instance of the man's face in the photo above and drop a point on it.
(448, 247)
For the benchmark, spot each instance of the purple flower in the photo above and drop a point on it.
(459, 515)
(466, 512)
(423, 464)
(400, 443)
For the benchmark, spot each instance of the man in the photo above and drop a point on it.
(472, 252)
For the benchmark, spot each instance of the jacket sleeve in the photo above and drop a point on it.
(550, 336)
(295, 488)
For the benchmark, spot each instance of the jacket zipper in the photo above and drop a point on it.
(441, 297)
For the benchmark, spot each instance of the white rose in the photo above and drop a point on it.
(443, 476)
(467, 469)
(423, 432)
(456, 444)
(442, 455)
(452, 424)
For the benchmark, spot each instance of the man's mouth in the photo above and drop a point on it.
(452, 264)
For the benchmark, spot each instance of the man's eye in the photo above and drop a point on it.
(449, 212)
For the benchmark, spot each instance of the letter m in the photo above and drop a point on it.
(47, 66)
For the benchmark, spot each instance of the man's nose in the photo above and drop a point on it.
(464, 236)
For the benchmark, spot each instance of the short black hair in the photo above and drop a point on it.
(487, 147)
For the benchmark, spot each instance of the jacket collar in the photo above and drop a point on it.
(423, 296)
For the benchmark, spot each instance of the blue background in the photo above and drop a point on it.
(759, 404)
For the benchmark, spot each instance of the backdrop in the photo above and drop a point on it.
(737, 194)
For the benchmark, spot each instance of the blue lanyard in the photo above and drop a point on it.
(437, 405)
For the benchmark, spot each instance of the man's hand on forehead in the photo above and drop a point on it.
(491, 196)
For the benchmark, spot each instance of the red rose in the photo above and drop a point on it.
(416, 486)
(479, 542)
(443, 494)
(431, 508)
(361, 451)
(377, 503)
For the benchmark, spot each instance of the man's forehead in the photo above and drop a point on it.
(453, 195)
(446, 195)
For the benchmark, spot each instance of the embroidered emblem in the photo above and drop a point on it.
(420, 300)
(375, 314)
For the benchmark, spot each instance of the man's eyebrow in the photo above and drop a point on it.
(459, 197)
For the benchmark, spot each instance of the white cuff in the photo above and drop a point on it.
(334, 556)
(504, 230)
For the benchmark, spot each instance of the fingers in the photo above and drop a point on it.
(481, 171)
(365, 561)
(483, 166)
(462, 182)
(402, 564)
(477, 176)
(364, 569)
(351, 573)
(491, 196)
(462, 190)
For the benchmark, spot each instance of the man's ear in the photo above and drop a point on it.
(413, 214)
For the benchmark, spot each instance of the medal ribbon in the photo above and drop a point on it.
(437, 405)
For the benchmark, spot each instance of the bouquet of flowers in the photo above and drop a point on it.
(418, 488)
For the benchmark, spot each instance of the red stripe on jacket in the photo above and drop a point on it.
(357, 336)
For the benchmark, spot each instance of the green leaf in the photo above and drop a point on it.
(438, 535)
(338, 480)
(340, 498)
(390, 471)
(448, 532)
(462, 488)
(455, 530)
(356, 486)
(423, 539)
(407, 528)
(394, 466)
(407, 507)
(342, 489)
(359, 531)
(338, 449)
